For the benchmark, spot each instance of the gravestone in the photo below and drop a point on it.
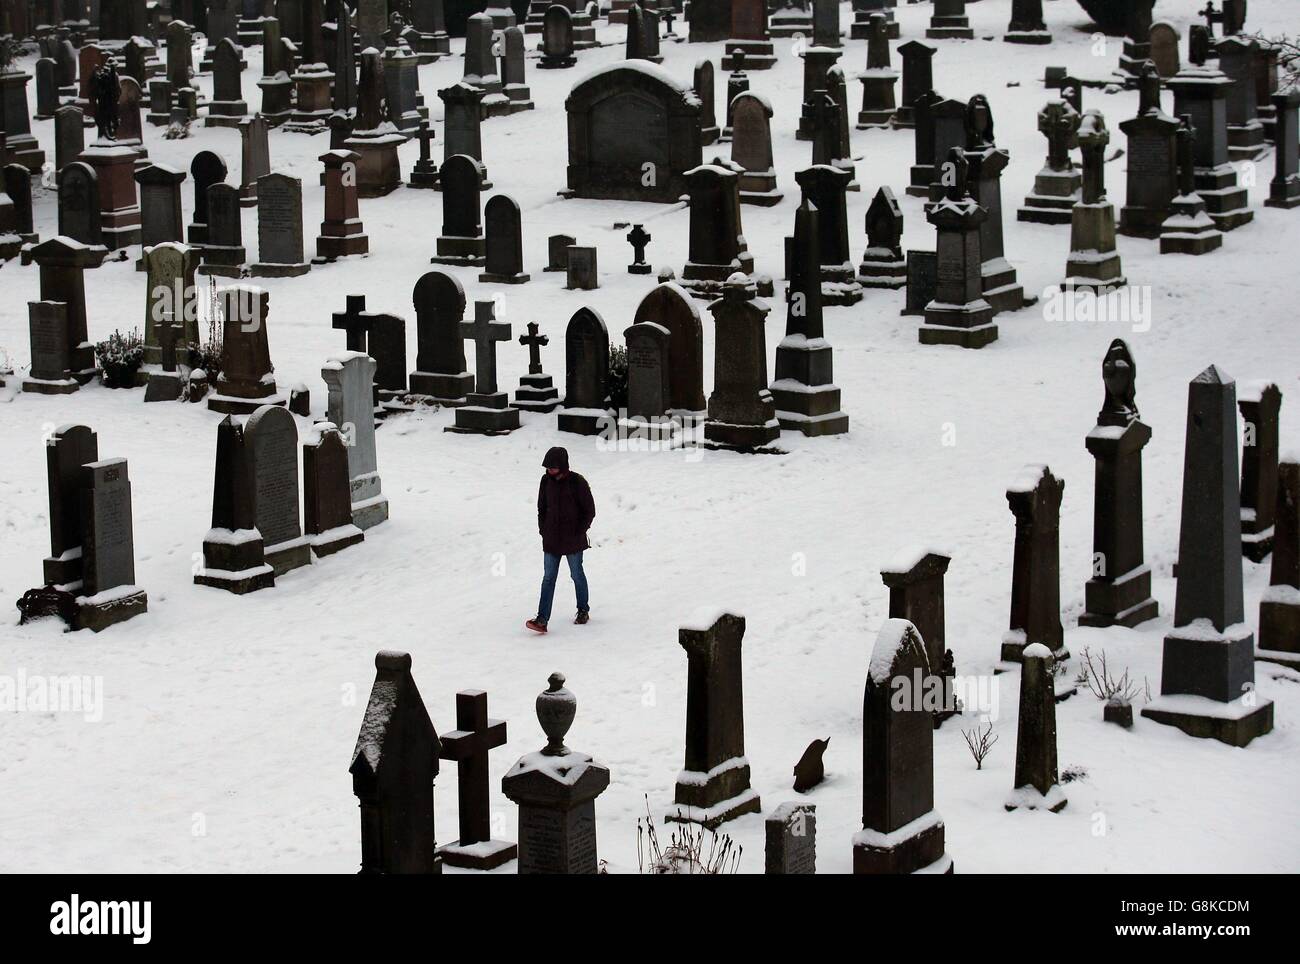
(468, 745)
(373, 136)
(372, 22)
(581, 269)
(959, 314)
(206, 169)
(394, 765)
(1260, 404)
(1189, 228)
(536, 391)
(717, 246)
(915, 581)
(703, 85)
(1279, 606)
(326, 502)
(647, 378)
(247, 379)
(1035, 501)
(901, 831)
(586, 372)
(1036, 786)
(169, 270)
(667, 304)
(923, 121)
(1284, 189)
(1119, 592)
(108, 593)
(922, 281)
(1137, 38)
(1164, 39)
(741, 410)
(350, 378)
(878, 105)
(826, 23)
(998, 279)
(751, 149)
(557, 38)
(791, 18)
(518, 96)
(634, 133)
(227, 104)
(823, 186)
(233, 556)
(440, 374)
(80, 215)
(47, 88)
(386, 344)
(481, 66)
(883, 264)
(790, 839)
(504, 259)
(1200, 93)
(223, 252)
(462, 109)
(949, 21)
(1058, 185)
(341, 232)
(424, 173)
(1027, 26)
(63, 264)
(918, 79)
(160, 205)
(749, 37)
(804, 393)
(1094, 262)
(255, 158)
(557, 252)
(69, 136)
(487, 409)
(461, 241)
(271, 435)
(18, 186)
(66, 451)
(639, 238)
(1239, 60)
(952, 129)
(48, 334)
(279, 228)
(713, 786)
(737, 84)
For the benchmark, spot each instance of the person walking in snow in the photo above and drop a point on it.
(565, 511)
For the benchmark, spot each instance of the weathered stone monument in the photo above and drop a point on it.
(1036, 782)
(1035, 501)
(503, 239)
(326, 497)
(1260, 403)
(883, 264)
(1094, 262)
(958, 314)
(790, 839)
(247, 379)
(1279, 607)
(713, 786)
(741, 410)
(915, 581)
(586, 368)
(350, 379)
(1207, 676)
(279, 228)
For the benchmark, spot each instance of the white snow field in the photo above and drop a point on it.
(228, 722)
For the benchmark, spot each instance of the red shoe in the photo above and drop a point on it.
(536, 625)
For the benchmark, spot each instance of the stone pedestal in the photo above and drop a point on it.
(748, 55)
(379, 170)
(958, 315)
(1094, 263)
(235, 562)
(537, 393)
(315, 103)
(485, 415)
(118, 203)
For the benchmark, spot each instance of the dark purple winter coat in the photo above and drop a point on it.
(564, 507)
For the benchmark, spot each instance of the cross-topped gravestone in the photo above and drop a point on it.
(536, 391)
(1094, 262)
(534, 343)
(425, 172)
(638, 237)
(713, 787)
(487, 411)
(468, 745)
(354, 320)
(393, 768)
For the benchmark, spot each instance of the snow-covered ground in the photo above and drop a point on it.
(228, 723)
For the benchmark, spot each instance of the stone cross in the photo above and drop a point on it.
(425, 136)
(1059, 123)
(468, 745)
(1149, 83)
(638, 238)
(534, 343)
(485, 331)
(1211, 15)
(355, 321)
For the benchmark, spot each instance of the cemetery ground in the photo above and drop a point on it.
(227, 722)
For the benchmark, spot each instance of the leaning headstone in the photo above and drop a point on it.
(901, 831)
(468, 746)
(350, 379)
(1279, 606)
(1207, 675)
(108, 593)
(1119, 592)
(742, 412)
(806, 397)
(503, 238)
(1036, 784)
(1260, 404)
(790, 839)
(440, 374)
(279, 228)
(556, 789)
(586, 372)
(326, 501)
(1035, 501)
(713, 786)
(271, 435)
(393, 768)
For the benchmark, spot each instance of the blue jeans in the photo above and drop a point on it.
(551, 573)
